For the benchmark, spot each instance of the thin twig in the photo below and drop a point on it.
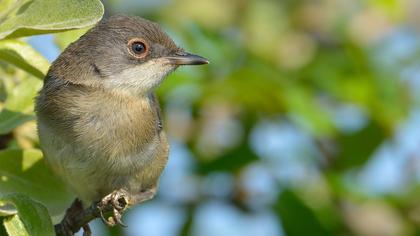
(76, 217)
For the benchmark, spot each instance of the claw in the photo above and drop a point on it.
(118, 201)
(107, 222)
(117, 218)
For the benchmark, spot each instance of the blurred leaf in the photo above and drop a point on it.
(23, 56)
(24, 171)
(188, 223)
(114, 231)
(15, 227)
(7, 209)
(62, 40)
(10, 120)
(18, 108)
(2, 229)
(5, 6)
(255, 87)
(30, 17)
(230, 161)
(393, 101)
(296, 217)
(306, 111)
(32, 217)
(356, 148)
(392, 8)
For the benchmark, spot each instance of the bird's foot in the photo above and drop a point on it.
(118, 200)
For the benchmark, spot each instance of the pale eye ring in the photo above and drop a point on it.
(137, 47)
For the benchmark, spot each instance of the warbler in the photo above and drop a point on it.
(99, 122)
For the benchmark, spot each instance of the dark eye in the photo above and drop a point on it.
(137, 47)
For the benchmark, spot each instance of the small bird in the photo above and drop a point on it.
(99, 121)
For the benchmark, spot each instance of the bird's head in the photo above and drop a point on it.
(122, 52)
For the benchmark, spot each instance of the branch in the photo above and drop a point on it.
(76, 217)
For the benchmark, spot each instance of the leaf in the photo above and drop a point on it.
(296, 217)
(30, 17)
(10, 120)
(231, 161)
(6, 7)
(7, 210)
(18, 108)
(357, 148)
(2, 229)
(62, 40)
(24, 171)
(22, 55)
(306, 111)
(15, 227)
(32, 217)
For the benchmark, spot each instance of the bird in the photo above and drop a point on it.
(98, 118)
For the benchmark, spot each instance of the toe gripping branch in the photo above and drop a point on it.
(76, 217)
(115, 202)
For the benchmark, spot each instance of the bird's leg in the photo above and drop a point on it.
(118, 200)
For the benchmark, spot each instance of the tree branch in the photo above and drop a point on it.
(76, 217)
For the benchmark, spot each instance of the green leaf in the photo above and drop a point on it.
(32, 217)
(297, 218)
(2, 229)
(5, 7)
(18, 108)
(231, 161)
(15, 227)
(23, 56)
(7, 210)
(24, 171)
(30, 17)
(62, 40)
(357, 148)
(11, 119)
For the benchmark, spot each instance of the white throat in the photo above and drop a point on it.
(140, 79)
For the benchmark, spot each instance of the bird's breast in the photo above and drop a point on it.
(100, 125)
(119, 127)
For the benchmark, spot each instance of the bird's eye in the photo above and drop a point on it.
(137, 47)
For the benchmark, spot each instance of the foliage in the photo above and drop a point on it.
(32, 218)
(26, 183)
(301, 100)
(29, 17)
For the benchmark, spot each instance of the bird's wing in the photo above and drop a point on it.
(156, 109)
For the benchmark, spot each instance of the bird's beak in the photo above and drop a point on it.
(186, 59)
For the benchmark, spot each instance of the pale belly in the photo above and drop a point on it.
(95, 169)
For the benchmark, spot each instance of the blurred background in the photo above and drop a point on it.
(306, 122)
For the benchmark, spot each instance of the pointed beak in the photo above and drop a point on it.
(186, 59)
